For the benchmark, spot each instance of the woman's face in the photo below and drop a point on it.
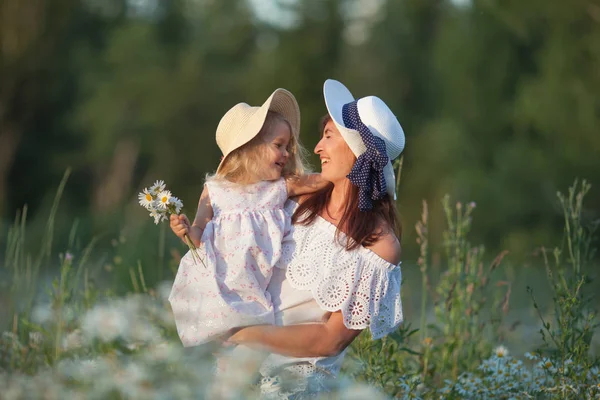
(336, 157)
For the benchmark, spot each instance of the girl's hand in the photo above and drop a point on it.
(180, 225)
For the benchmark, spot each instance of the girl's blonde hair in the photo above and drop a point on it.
(243, 164)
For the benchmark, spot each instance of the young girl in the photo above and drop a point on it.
(240, 222)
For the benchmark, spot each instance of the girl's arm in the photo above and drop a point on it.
(306, 340)
(302, 184)
(203, 215)
(180, 225)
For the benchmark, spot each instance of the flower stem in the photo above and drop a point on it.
(192, 247)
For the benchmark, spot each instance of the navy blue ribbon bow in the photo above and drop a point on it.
(367, 172)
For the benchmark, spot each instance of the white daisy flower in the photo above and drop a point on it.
(158, 216)
(73, 340)
(158, 187)
(162, 199)
(178, 204)
(531, 356)
(501, 351)
(146, 200)
(104, 322)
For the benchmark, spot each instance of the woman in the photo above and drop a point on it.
(342, 256)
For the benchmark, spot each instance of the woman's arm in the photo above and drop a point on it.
(303, 184)
(306, 340)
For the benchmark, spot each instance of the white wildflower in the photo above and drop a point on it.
(531, 356)
(140, 331)
(175, 202)
(35, 339)
(158, 187)
(146, 200)
(133, 381)
(547, 365)
(105, 323)
(162, 199)
(358, 391)
(162, 352)
(501, 351)
(73, 340)
(84, 371)
(158, 216)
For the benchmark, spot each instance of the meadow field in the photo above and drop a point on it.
(87, 323)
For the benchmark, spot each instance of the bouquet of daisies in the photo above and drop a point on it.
(161, 203)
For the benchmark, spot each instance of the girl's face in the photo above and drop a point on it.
(276, 153)
(336, 157)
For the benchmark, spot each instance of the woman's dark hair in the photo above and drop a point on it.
(362, 227)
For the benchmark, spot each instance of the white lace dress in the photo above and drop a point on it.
(240, 246)
(318, 276)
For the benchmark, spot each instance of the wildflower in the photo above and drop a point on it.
(144, 332)
(472, 204)
(176, 203)
(105, 323)
(73, 340)
(531, 356)
(461, 390)
(501, 351)
(427, 341)
(35, 339)
(162, 199)
(549, 367)
(158, 216)
(146, 200)
(68, 257)
(160, 202)
(158, 187)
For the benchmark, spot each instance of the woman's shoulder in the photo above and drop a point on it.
(387, 246)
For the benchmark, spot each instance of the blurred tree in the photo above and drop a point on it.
(154, 95)
(30, 33)
(299, 56)
(498, 99)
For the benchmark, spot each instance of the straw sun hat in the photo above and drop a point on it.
(243, 122)
(373, 113)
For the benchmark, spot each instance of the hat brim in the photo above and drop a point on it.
(281, 101)
(336, 96)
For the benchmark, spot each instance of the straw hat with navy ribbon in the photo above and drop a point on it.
(243, 122)
(374, 135)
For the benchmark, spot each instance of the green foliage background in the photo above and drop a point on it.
(498, 99)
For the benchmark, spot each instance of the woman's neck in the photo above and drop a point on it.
(336, 205)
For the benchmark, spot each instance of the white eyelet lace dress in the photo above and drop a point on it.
(240, 247)
(318, 276)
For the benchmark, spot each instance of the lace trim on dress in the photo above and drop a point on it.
(365, 287)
